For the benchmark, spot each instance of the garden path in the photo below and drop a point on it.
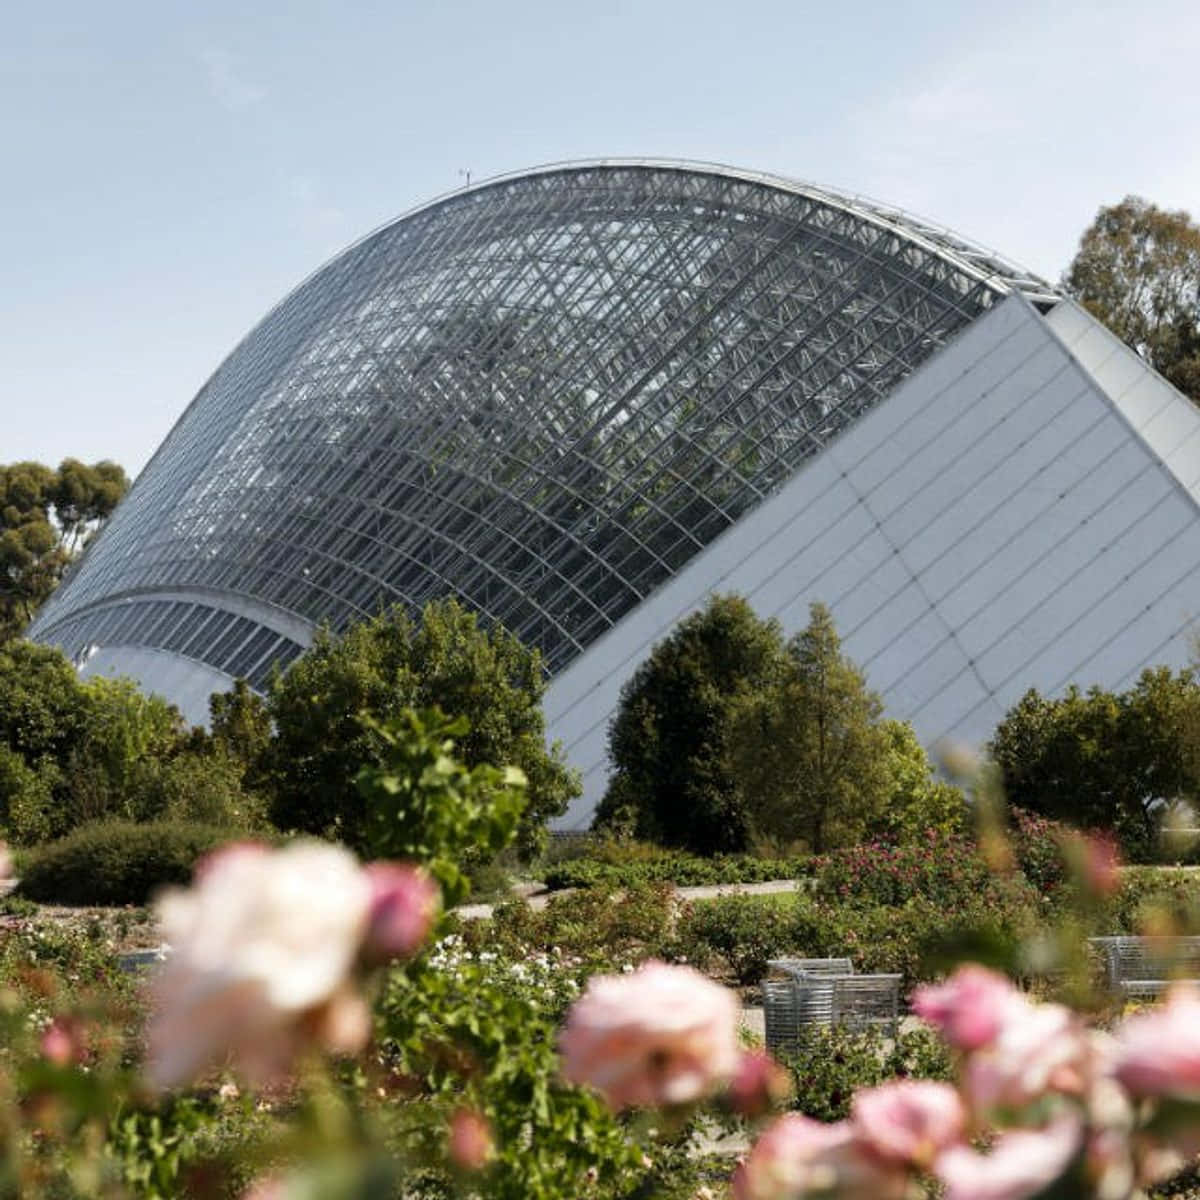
(538, 896)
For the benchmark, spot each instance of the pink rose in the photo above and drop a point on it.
(758, 1082)
(263, 946)
(798, 1156)
(270, 1187)
(1109, 1162)
(910, 1121)
(63, 1042)
(659, 1036)
(970, 1008)
(404, 904)
(1157, 1052)
(470, 1144)
(1020, 1164)
(1101, 864)
(1041, 1048)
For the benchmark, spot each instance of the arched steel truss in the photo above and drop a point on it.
(542, 394)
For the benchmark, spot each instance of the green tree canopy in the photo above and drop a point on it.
(1104, 760)
(388, 664)
(1138, 271)
(44, 710)
(917, 799)
(239, 723)
(75, 750)
(810, 750)
(46, 517)
(668, 742)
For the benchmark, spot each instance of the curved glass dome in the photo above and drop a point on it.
(542, 394)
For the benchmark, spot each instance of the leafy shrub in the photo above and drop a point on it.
(743, 932)
(831, 1063)
(481, 1028)
(1160, 896)
(913, 938)
(600, 928)
(17, 906)
(945, 869)
(27, 802)
(117, 862)
(1037, 846)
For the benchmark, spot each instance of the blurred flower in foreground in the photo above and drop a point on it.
(263, 945)
(63, 1042)
(970, 1008)
(910, 1121)
(470, 1143)
(270, 1187)
(1021, 1163)
(757, 1084)
(663, 1035)
(404, 904)
(1095, 861)
(265, 950)
(798, 1156)
(1042, 1049)
(7, 868)
(1157, 1053)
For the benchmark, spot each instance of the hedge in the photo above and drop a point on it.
(117, 862)
(677, 867)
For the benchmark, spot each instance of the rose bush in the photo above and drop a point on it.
(457, 1087)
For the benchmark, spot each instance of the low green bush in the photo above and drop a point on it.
(117, 862)
(671, 866)
(831, 1063)
(600, 929)
(1162, 897)
(735, 934)
(913, 938)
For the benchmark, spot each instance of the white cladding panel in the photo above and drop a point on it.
(997, 524)
(187, 682)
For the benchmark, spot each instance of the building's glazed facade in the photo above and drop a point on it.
(550, 395)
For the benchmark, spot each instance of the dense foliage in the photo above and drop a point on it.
(945, 869)
(75, 751)
(810, 748)
(727, 737)
(599, 929)
(422, 805)
(383, 666)
(735, 935)
(1103, 760)
(627, 864)
(117, 862)
(831, 1063)
(672, 782)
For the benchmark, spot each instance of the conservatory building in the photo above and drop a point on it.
(583, 398)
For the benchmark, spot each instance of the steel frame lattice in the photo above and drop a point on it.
(542, 394)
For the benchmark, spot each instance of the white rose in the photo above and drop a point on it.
(264, 944)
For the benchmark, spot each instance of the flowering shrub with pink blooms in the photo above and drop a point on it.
(318, 1029)
(943, 868)
(1069, 1112)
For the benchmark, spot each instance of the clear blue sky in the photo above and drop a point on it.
(172, 169)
